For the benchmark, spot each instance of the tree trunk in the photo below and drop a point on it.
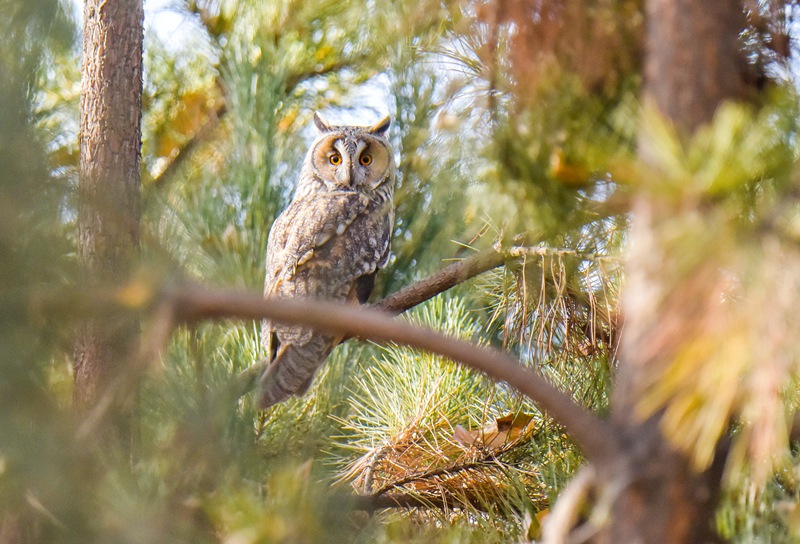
(693, 59)
(110, 149)
(693, 63)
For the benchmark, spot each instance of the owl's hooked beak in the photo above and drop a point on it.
(344, 173)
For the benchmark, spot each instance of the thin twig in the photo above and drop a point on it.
(520, 251)
(564, 516)
(370, 503)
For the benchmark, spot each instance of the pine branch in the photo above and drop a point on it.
(440, 281)
(594, 435)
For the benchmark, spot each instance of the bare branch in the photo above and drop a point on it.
(205, 131)
(321, 70)
(594, 435)
(440, 281)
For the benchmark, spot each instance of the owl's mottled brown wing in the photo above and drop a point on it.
(328, 246)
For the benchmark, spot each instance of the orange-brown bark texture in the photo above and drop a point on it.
(110, 151)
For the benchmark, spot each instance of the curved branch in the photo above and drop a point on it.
(592, 434)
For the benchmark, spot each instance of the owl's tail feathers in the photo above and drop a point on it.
(292, 370)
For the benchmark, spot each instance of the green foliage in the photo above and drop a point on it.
(39, 461)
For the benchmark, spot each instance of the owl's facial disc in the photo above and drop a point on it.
(374, 162)
(352, 161)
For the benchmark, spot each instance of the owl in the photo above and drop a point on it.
(328, 244)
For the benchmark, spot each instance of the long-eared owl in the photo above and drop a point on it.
(328, 244)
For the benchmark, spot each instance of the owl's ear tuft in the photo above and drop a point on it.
(321, 125)
(381, 126)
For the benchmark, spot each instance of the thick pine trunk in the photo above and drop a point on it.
(110, 150)
(693, 63)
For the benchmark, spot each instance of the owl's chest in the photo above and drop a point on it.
(346, 233)
(351, 238)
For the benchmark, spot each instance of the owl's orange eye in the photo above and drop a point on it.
(366, 160)
(336, 159)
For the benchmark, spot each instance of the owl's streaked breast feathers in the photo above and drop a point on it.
(328, 244)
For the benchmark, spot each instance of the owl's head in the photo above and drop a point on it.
(352, 157)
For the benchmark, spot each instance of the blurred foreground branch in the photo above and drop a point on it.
(187, 304)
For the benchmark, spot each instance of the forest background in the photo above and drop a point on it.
(614, 202)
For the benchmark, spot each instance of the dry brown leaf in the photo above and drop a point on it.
(503, 431)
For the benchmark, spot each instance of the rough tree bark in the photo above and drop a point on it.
(110, 150)
(693, 63)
